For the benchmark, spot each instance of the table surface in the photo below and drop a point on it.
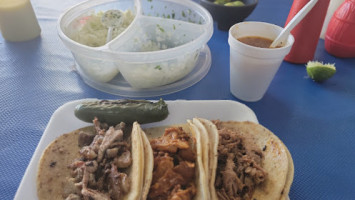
(315, 121)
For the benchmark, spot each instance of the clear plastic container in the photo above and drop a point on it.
(163, 45)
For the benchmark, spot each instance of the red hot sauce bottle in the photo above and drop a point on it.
(340, 35)
(307, 32)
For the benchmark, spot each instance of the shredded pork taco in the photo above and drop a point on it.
(96, 162)
(247, 161)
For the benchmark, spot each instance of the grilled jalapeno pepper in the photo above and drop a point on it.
(113, 112)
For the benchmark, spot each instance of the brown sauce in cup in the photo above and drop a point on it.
(257, 41)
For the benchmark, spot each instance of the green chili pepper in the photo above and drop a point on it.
(113, 112)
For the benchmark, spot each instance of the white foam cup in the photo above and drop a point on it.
(253, 68)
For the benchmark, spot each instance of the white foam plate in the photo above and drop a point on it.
(64, 121)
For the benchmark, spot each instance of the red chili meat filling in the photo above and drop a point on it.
(174, 166)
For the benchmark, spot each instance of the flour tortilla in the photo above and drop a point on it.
(51, 181)
(209, 132)
(136, 171)
(53, 170)
(201, 171)
(200, 179)
(205, 153)
(289, 178)
(149, 165)
(276, 161)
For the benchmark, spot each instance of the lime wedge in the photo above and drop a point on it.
(320, 72)
(234, 3)
(221, 2)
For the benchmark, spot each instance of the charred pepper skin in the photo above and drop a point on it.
(113, 112)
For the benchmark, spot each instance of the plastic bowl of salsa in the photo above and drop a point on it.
(227, 16)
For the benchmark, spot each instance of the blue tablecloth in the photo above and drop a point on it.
(315, 121)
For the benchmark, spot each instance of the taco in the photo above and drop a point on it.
(209, 134)
(178, 171)
(96, 162)
(249, 161)
(289, 177)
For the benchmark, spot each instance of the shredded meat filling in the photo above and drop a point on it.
(99, 172)
(172, 140)
(239, 168)
(174, 167)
